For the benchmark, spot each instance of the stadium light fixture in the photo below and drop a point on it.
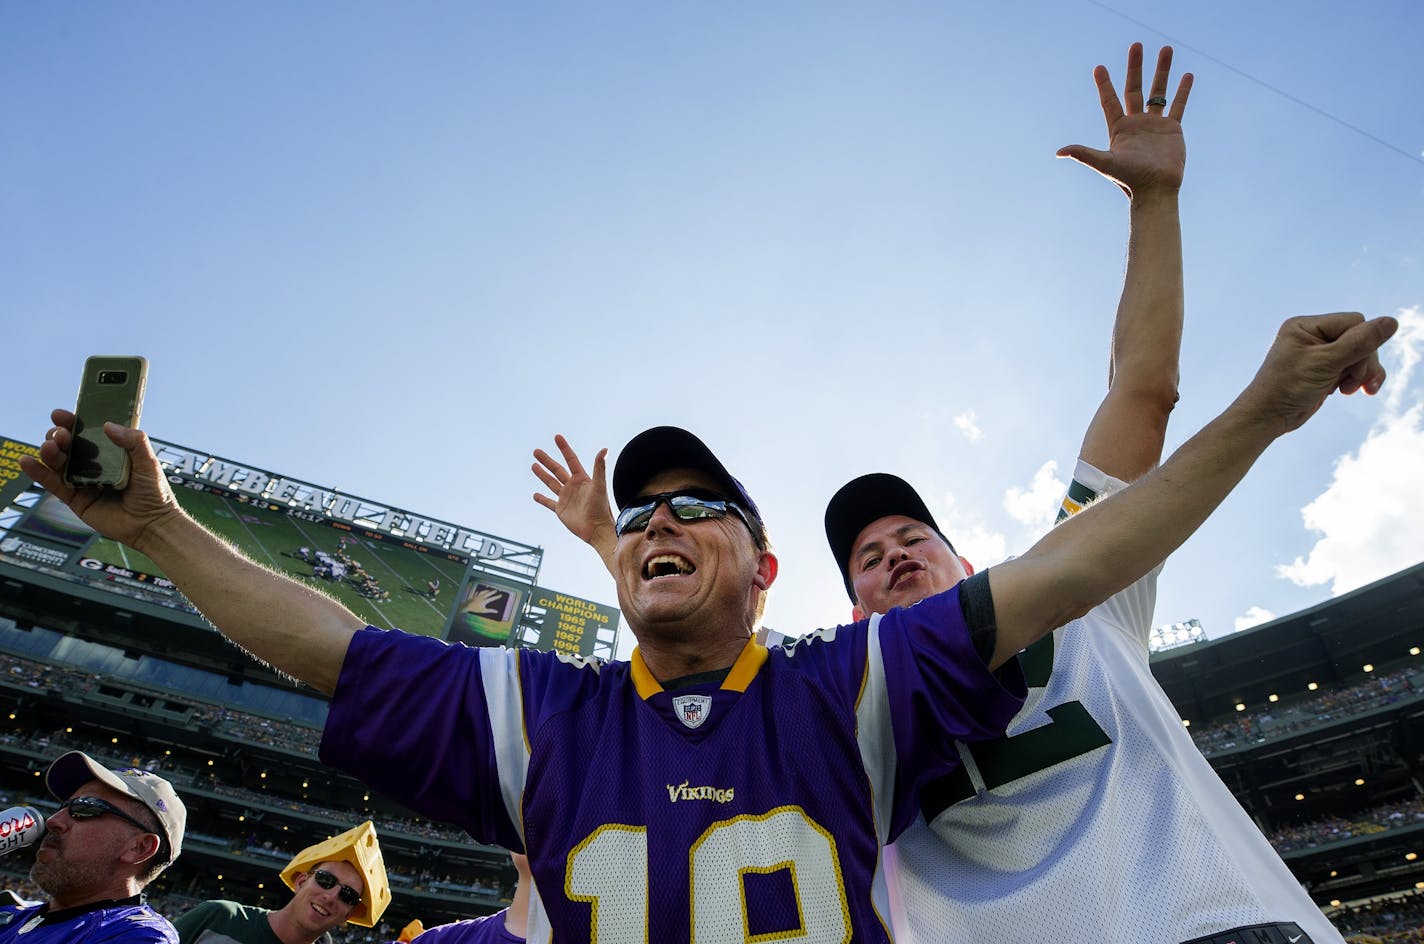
(1273, 698)
(1414, 650)
(1186, 723)
(1334, 903)
(1419, 884)
(113, 740)
(12, 716)
(1410, 856)
(1173, 635)
(1333, 873)
(1312, 686)
(1300, 796)
(1240, 706)
(210, 762)
(1369, 667)
(1359, 781)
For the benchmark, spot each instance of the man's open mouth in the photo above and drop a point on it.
(667, 565)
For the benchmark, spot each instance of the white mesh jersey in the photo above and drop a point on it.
(1096, 818)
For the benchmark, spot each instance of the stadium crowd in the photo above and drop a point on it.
(1328, 704)
(1392, 920)
(1332, 829)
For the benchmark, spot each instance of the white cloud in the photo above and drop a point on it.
(1402, 356)
(1254, 616)
(967, 423)
(1371, 517)
(973, 539)
(1037, 506)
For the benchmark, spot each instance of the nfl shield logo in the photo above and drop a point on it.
(692, 710)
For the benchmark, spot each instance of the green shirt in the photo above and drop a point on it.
(227, 922)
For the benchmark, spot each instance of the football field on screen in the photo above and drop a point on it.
(273, 539)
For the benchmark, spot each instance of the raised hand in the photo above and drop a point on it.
(580, 500)
(1146, 149)
(123, 515)
(482, 603)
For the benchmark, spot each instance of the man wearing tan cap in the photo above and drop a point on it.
(338, 881)
(115, 830)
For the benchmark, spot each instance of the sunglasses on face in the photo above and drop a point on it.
(687, 506)
(348, 895)
(89, 808)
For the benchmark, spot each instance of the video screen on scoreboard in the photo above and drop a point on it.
(385, 581)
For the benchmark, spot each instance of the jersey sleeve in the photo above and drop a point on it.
(933, 688)
(425, 722)
(1130, 610)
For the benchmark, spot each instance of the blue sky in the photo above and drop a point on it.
(395, 247)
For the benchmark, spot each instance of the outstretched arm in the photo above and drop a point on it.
(1093, 555)
(1146, 157)
(580, 500)
(287, 624)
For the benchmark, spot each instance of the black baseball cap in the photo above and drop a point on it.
(670, 447)
(865, 500)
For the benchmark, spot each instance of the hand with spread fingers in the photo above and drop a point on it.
(1146, 150)
(580, 500)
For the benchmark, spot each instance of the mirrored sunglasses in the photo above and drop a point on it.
(686, 506)
(348, 895)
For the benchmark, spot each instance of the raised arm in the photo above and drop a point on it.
(1146, 157)
(286, 624)
(1091, 556)
(580, 500)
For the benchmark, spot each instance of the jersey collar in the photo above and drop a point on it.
(748, 664)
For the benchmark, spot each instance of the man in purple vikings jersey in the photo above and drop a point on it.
(708, 789)
(631, 784)
(114, 832)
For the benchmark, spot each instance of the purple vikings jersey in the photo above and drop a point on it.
(487, 930)
(753, 809)
(131, 923)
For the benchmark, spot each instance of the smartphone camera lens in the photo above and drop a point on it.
(113, 376)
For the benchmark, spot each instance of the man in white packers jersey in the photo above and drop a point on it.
(1095, 817)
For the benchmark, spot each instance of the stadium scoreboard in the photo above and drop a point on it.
(391, 566)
